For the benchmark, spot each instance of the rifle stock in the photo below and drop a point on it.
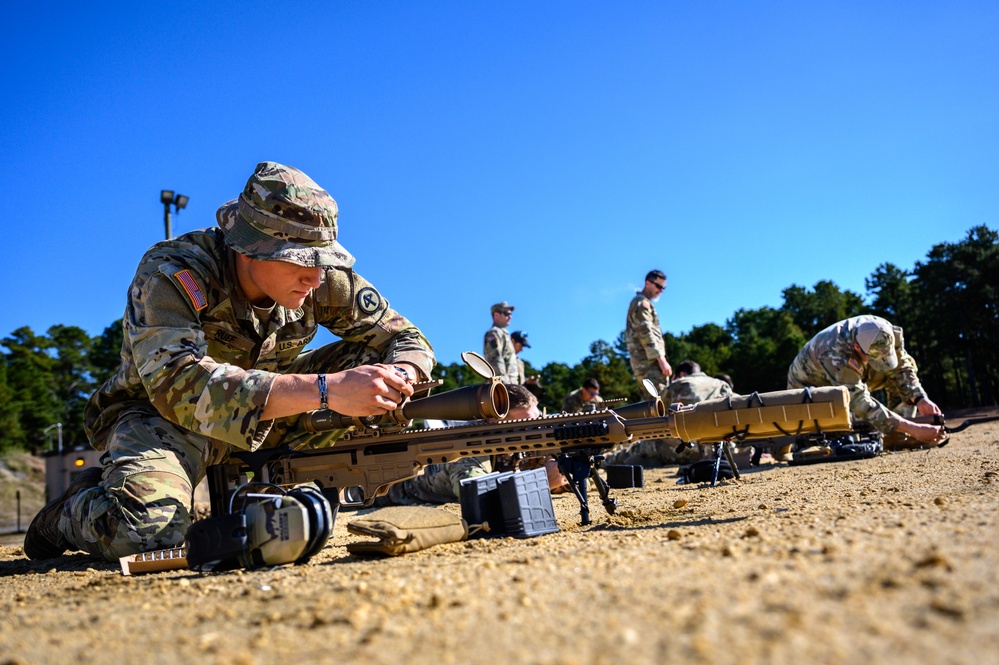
(372, 460)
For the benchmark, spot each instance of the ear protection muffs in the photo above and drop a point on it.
(272, 528)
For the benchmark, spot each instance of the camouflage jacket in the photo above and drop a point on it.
(696, 387)
(642, 331)
(574, 403)
(498, 349)
(830, 360)
(195, 351)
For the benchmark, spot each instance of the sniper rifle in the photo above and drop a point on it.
(371, 455)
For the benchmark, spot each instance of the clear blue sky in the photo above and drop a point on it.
(544, 153)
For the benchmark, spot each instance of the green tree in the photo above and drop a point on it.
(105, 352)
(956, 289)
(72, 378)
(766, 340)
(31, 381)
(818, 309)
(612, 371)
(11, 434)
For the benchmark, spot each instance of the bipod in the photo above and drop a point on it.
(579, 465)
(724, 447)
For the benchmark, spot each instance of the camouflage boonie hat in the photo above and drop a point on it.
(877, 340)
(283, 215)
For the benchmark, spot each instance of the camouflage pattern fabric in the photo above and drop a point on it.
(574, 402)
(283, 215)
(829, 359)
(521, 374)
(438, 483)
(694, 388)
(197, 366)
(498, 349)
(151, 465)
(201, 355)
(644, 337)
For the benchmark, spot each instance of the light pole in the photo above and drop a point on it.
(168, 197)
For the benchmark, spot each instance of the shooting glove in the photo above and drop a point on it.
(402, 529)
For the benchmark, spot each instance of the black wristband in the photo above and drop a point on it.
(323, 395)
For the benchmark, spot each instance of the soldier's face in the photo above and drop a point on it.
(284, 283)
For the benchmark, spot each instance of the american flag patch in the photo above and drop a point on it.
(193, 290)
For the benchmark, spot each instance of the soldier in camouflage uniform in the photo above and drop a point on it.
(585, 398)
(690, 386)
(645, 337)
(497, 347)
(214, 360)
(866, 354)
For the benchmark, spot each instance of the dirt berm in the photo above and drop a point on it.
(886, 560)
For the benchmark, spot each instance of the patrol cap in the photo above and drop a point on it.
(521, 338)
(283, 215)
(501, 307)
(877, 340)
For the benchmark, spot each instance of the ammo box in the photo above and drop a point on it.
(515, 504)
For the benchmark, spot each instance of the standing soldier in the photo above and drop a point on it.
(865, 354)
(644, 335)
(498, 346)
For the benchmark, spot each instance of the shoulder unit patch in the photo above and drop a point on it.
(194, 292)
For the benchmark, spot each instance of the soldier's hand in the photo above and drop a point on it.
(926, 407)
(928, 434)
(369, 390)
(664, 367)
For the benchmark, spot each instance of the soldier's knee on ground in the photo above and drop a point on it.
(151, 511)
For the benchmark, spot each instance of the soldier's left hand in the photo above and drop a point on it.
(927, 407)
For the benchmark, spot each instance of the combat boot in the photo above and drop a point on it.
(43, 539)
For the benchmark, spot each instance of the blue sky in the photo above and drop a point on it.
(544, 153)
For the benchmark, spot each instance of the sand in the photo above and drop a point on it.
(886, 560)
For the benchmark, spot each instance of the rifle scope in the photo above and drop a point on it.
(653, 408)
(487, 400)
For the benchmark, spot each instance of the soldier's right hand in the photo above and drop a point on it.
(368, 390)
(927, 434)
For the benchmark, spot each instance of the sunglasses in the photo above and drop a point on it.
(659, 286)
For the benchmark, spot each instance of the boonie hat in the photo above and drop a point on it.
(877, 340)
(521, 338)
(283, 215)
(502, 307)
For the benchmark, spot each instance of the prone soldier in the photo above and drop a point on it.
(866, 354)
(585, 398)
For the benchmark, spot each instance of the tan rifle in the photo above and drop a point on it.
(375, 453)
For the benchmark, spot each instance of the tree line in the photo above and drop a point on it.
(947, 305)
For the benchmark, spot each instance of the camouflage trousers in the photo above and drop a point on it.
(144, 498)
(439, 483)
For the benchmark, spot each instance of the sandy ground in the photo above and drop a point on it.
(887, 560)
